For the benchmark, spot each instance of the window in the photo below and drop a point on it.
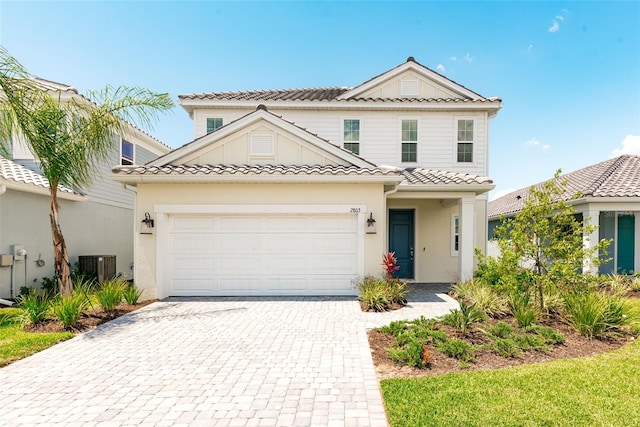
(465, 141)
(455, 235)
(213, 123)
(126, 157)
(351, 135)
(409, 140)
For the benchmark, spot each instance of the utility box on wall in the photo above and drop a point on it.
(100, 267)
(6, 260)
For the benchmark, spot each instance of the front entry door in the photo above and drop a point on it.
(626, 232)
(401, 230)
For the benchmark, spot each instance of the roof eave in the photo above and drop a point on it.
(42, 191)
(477, 188)
(177, 178)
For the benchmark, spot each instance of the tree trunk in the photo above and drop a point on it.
(63, 273)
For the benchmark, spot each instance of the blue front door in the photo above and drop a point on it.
(401, 240)
(625, 252)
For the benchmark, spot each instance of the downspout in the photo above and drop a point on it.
(134, 190)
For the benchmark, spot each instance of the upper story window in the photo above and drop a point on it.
(351, 135)
(409, 141)
(126, 153)
(465, 141)
(213, 123)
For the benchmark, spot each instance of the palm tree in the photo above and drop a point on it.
(70, 137)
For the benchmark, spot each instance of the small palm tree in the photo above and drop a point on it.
(70, 137)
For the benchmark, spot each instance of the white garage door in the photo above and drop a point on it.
(270, 254)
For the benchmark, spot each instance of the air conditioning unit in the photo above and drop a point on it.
(100, 267)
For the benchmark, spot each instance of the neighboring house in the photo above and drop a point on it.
(301, 191)
(98, 221)
(610, 198)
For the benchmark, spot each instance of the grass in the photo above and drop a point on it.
(17, 344)
(588, 391)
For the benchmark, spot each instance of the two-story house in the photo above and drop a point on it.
(301, 191)
(97, 221)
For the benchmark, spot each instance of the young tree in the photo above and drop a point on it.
(70, 137)
(542, 245)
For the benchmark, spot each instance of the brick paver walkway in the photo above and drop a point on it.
(211, 361)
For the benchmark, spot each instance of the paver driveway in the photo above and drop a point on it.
(214, 361)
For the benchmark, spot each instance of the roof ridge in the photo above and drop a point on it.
(292, 89)
(597, 183)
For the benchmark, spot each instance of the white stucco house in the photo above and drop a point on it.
(95, 221)
(610, 199)
(301, 191)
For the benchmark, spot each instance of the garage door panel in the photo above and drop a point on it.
(271, 254)
(193, 223)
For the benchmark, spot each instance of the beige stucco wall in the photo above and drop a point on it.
(89, 229)
(150, 195)
(434, 260)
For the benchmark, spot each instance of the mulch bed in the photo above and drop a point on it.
(89, 320)
(575, 345)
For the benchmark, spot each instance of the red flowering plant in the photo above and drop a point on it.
(389, 262)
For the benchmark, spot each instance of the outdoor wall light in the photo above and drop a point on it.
(371, 224)
(146, 226)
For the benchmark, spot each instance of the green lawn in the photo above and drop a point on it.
(602, 390)
(16, 344)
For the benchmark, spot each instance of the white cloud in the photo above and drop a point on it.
(555, 27)
(532, 142)
(440, 67)
(469, 58)
(530, 48)
(630, 145)
(546, 147)
(560, 18)
(501, 193)
(453, 59)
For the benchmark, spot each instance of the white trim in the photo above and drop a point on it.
(359, 141)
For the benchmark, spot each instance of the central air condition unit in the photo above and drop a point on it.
(100, 267)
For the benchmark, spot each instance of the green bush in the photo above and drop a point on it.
(69, 308)
(409, 353)
(463, 318)
(458, 349)
(594, 314)
(522, 309)
(34, 307)
(550, 335)
(110, 294)
(500, 330)
(131, 294)
(484, 297)
(377, 294)
(507, 347)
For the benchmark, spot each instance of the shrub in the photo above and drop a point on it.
(463, 318)
(500, 330)
(506, 347)
(522, 309)
(131, 294)
(550, 335)
(110, 294)
(458, 349)
(635, 282)
(34, 307)
(373, 294)
(69, 308)
(410, 353)
(485, 298)
(595, 314)
(397, 291)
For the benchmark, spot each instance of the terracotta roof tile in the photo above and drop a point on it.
(419, 176)
(617, 177)
(14, 172)
(219, 169)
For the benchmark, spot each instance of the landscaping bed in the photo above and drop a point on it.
(575, 345)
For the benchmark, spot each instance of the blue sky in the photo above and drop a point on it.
(568, 72)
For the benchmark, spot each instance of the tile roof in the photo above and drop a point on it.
(335, 170)
(11, 171)
(420, 176)
(313, 94)
(617, 177)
